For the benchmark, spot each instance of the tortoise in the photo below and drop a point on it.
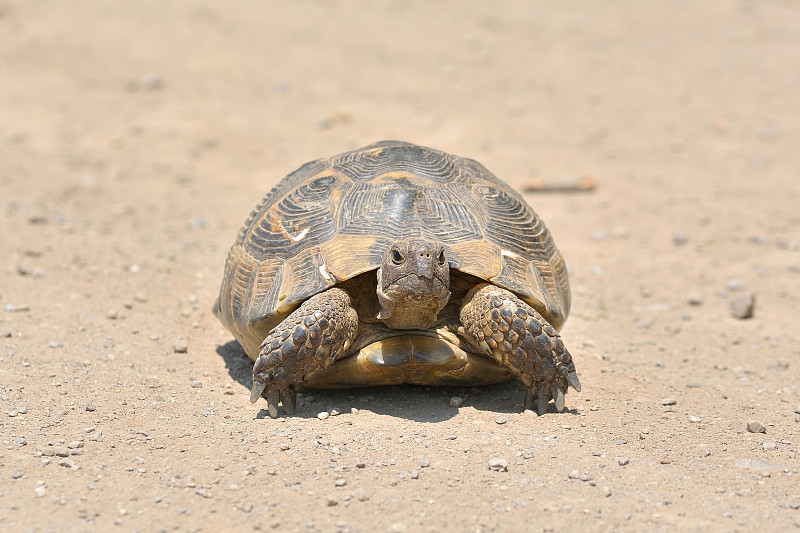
(397, 263)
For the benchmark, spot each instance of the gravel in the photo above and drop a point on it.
(456, 401)
(180, 346)
(743, 306)
(754, 426)
(67, 462)
(680, 238)
(669, 401)
(498, 464)
(694, 299)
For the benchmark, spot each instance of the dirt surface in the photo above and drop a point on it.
(135, 137)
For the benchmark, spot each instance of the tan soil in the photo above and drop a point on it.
(135, 137)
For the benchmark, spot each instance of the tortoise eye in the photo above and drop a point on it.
(397, 257)
(441, 258)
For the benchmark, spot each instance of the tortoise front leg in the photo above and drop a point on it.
(518, 337)
(313, 336)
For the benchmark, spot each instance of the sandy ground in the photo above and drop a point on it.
(135, 137)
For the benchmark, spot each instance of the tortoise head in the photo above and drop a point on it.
(413, 284)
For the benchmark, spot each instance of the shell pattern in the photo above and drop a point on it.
(333, 219)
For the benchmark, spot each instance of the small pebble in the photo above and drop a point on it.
(40, 491)
(415, 474)
(424, 463)
(197, 384)
(606, 491)
(669, 401)
(754, 426)
(622, 461)
(283, 446)
(180, 346)
(23, 410)
(61, 451)
(735, 284)
(574, 474)
(620, 441)
(340, 482)
(112, 314)
(323, 415)
(498, 465)
(53, 344)
(769, 446)
(743, 306)
(501, 420)
(797, 410)
(67, 462)
(694, 299)
(680, 238)
(91, 408)
(695, 419)
(16, 475)
(456, 401)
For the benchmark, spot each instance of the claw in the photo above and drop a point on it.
(541, 402)
(272, 404)
(255, 392)
(289, 402)
(572, 379)
(527, 401)
(558, 397)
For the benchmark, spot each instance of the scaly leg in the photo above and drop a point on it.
(312, 337)
(518, 337)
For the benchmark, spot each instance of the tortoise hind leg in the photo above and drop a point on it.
(518, 337)
(312, 337)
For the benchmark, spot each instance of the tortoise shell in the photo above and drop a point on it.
(333, 219)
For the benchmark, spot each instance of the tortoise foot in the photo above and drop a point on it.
(518, 337)
(312, 337)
